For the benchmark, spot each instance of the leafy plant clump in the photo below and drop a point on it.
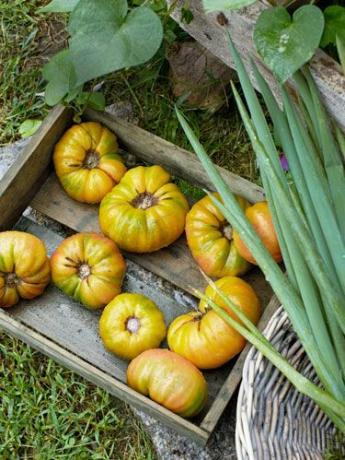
(104, 36)
(309, 218)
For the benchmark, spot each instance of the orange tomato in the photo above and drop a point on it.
(87, 163)
(170, 380)
(24, 267)
(209, 238)
(131, 324)
(89, 268)
(203, 337)
(260, 217)
(145, 211)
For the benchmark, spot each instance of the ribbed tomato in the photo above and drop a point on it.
(203, 337)
(87, 163)
(170, 380)
(24, 267)
(260, 217)
(89, 268)
(145, 211)
(209, 238)
(131, 324)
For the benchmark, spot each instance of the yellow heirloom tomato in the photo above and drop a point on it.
(87, 163)
(24, 267)
(170, 380)
(203, 337)
(145, 211)
(131, 324)
(209, 237)
(89, 268)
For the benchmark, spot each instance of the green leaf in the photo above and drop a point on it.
(286, 43)
(334, 25)
(29, 127)
(186, 15)
(59, 6)
(94, 100)
(220, 5)
(123, 40)
(61, 77)
(340, 42)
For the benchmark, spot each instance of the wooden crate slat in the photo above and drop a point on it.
(26, 175)
(173, 263)
(181, 163)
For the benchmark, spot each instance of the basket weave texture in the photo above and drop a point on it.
(274, 420)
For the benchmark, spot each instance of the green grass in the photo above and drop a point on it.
(48, 412)
(24, 37)
(51, 413)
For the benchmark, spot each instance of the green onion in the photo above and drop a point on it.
(309, 217)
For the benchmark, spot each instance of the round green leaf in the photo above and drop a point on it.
(334, 25)
(61, 77)
(285, 43)
(104, 38)
(29, 127)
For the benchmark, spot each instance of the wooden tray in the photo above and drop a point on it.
(67, 332)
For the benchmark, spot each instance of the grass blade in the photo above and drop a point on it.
(279, 282)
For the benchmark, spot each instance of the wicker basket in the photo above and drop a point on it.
(275, 421)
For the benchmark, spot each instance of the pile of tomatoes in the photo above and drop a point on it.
(141, 210)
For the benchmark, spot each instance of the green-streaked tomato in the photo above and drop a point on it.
(24, 267)
(260, 217)
(170, 380)
(203, 337)
(209, 238)
(130, 324)
(89, 268)
(87, 163)
(145, 211)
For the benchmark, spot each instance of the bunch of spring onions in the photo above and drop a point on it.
(308, 209)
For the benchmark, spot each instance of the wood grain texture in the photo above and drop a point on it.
(28, 172)
(209, 30)
(179, 162)
(173, 263)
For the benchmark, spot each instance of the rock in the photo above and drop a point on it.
(171, 446)
(9, 153)
(198, 75)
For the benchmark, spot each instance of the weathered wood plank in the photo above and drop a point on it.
(25, 176)
(179, 162)
(209, 29)
(173, 263)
